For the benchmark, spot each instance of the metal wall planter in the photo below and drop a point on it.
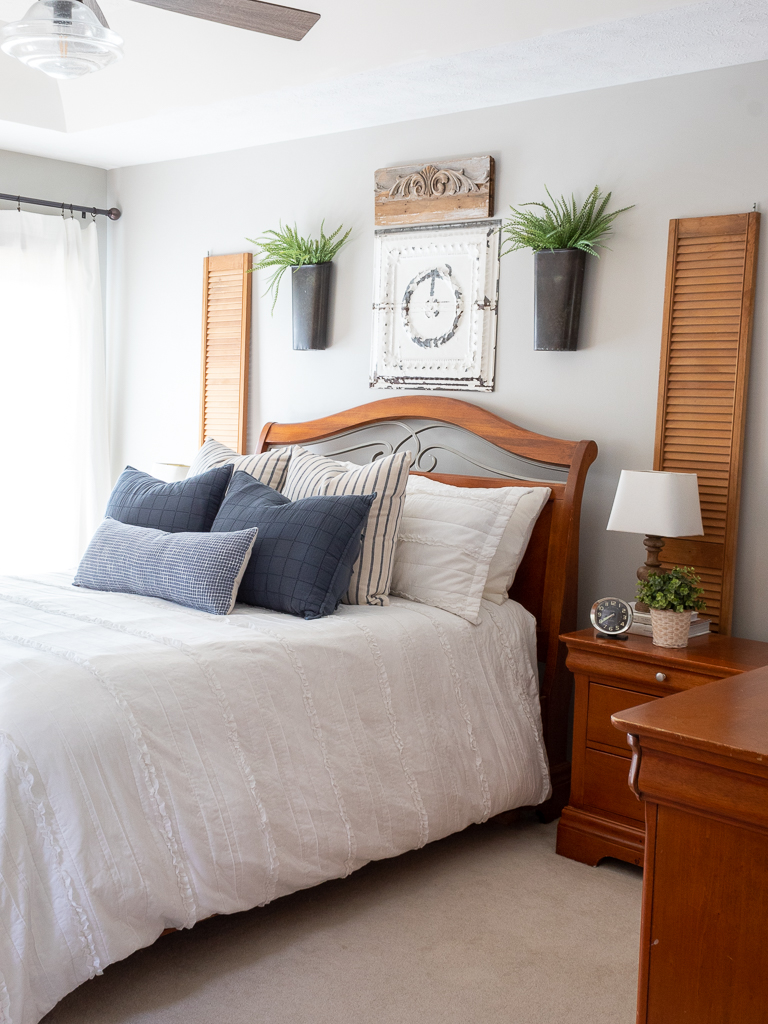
(311, 289)
(559, 277)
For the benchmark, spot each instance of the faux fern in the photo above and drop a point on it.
(286, 248)
(561, 225)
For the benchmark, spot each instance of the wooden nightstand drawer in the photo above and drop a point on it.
(606, 786)
(605, 701)
(643, 675)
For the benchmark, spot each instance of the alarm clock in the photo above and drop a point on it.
(611, 618)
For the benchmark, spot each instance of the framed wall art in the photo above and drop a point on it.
(434, 309)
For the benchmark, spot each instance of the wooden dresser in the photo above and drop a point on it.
(603, 818)
(701, 767)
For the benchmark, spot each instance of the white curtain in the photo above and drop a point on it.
(54, 471)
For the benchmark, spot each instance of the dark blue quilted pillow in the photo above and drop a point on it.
(188, 506)
(304, 552)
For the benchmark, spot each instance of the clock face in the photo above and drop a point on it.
(611, 615)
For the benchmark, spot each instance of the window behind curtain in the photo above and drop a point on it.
(54, 475)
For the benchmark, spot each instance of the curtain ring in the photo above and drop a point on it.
(62, 211)
(93, 213)
(18, 204)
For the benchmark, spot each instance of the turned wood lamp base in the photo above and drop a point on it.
(653, 546)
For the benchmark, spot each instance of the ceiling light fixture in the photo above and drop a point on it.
(63, 38)
(70, 38)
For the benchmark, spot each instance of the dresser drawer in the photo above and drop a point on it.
(605, 701)
(606, 785)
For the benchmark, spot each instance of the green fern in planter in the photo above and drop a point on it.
(676, 590)
(286, 248)
(561, 225)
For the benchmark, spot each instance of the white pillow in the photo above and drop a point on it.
(514, 543)
(514, 540)
(270, 468)
(447, 542)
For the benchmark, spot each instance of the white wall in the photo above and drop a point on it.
(677, 147)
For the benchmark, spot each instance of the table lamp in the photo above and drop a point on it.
(658, 505)
(170, 471)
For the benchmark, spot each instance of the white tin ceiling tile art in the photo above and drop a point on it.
(435, 307)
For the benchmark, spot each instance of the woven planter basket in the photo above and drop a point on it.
(670, 629)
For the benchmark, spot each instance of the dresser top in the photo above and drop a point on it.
(728, 716)
(708, 653)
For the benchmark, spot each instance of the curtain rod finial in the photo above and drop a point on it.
(114, 213)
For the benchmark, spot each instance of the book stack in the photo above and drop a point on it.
(641, 623)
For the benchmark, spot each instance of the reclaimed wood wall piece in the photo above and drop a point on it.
(226, 344)
(435, 193)
(708, 312)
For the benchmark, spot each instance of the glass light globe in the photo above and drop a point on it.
(63, 38)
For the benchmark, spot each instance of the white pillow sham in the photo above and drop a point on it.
(514, 543)
(458, 545)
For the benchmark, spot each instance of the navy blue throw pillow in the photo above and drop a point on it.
(188, 506)
(304, 552)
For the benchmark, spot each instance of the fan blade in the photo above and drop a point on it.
(93, 6)
(254, 15)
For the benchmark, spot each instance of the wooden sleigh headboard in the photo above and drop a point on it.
(547, 580)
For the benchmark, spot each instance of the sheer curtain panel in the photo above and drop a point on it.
(53, 424)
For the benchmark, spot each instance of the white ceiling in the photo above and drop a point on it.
(187, 86)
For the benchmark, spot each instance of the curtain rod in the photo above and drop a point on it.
(113, 214)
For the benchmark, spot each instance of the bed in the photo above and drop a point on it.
(161, 765)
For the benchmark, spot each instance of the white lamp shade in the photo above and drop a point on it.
(660, 504)
(170, 471)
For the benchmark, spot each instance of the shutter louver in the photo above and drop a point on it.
(226, 342)
(708, 312)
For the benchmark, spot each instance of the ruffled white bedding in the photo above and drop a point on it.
(160, 765)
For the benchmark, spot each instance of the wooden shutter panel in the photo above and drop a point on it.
(226, 342)
(708, 312)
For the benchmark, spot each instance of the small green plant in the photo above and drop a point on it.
(561, 225)
(676, 590)
(286, 248)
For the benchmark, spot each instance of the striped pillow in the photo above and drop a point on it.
(310, 474)
(269, 468)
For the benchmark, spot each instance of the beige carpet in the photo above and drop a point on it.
(487, 926)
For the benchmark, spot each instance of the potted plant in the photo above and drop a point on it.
(671, 596)
(560, 236)
(310, 262)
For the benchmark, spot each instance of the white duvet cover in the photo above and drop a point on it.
(160, 765)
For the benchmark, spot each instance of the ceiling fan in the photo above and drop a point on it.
(70, 38)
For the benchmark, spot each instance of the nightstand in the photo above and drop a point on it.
(603, 817)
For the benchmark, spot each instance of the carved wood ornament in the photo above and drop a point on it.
(430, 193)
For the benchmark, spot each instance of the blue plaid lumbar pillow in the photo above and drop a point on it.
(199, 570)
(303, 556)
(187, 506)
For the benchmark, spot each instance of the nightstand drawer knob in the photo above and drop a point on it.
(660, 677)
